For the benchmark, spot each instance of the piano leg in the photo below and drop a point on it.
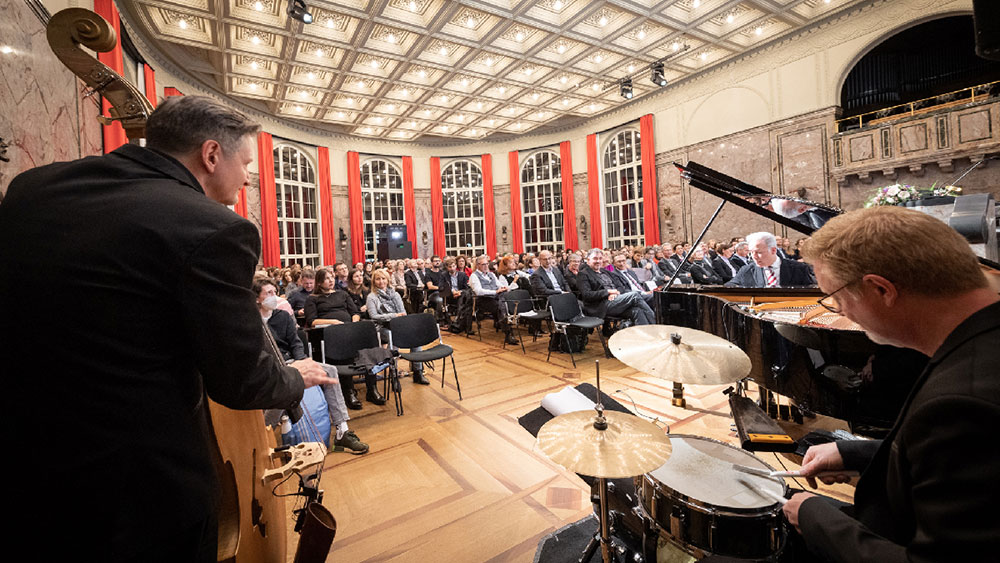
(678, 400)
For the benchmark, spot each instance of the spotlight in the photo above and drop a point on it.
(298, 10)
(656, 74)
(625, 88)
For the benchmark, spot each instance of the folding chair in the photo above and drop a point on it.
(413, 331)
(565, 310)
(351, 338)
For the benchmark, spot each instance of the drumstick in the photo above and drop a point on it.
(763, 492)
(766, 473)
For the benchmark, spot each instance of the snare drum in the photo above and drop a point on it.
(697, 501)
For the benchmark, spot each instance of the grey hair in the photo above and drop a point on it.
(595, 251)
(181, 124)
(768, 239)
(741, 245)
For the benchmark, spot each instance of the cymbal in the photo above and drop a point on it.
(629, 446)
(699, 359)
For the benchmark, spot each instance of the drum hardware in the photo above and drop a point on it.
(608, 445)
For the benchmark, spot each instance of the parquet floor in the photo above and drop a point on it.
(460, 481)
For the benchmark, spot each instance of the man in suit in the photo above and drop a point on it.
(601, 298)
(928, 491)
(547, 279)
(741, 255)
(435, 282)
(297, 299)
(155, 312)
(490, 290)
(416, 284)
(626, 280)
(340, 272)
(572, 271)
(767, 270)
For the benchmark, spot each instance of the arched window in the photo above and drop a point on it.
(464, 221)
(541, 202)
(298, 220)
(622, 175)
(381, 199)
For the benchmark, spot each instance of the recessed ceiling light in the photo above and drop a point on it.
(489, 61)
(444, 98)
(311, 74)
(319, 52)
(565, 101)
(470, 22)
(492, 121)
(696, 3)
(563, 79)
(427, 112)
(378, 120)
(422, 73)
(465, 81)
(253, 85)
(501, 88)
(631, 68)
(561, 48)
(303, 94)
(730, 18)
(183, 24)
(759, 30)
(340, 114)
(541, 115)
(592, 106)
(329, 23)
(704, 56)
(641, 34)
(598, 58)
(479, 105)
(675, 46)
(360, 83)
(259, 6)
(390, 107)
(368, 129)
(443, 50)
(411, 124)
(595, 86)
(519, 36)
(298, 109)
(472, 132)
(510, 111)
(534, 95)
(460, 117)
(373, 63)
(390, 38)
(413, 6)
(404, 92)
(253, 64)
(557, 5)
(349, 101)
(603, 21)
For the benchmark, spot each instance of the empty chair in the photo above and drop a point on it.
(566, 313)
(419, 331)
(341, 344)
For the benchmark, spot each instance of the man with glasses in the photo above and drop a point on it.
(489, 290)
(767, 269)
(928, 490)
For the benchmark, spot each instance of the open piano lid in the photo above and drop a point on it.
(802, 215)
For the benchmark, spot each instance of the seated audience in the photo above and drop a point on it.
(341, 271)
(602, 299)
(626, 280)
(767, 269)
(436, 282)
(358, 291)
(286, 336)
(297, 299)
(722, 264)
(328, 305)
(415, 284)
(702, 272)
(547, 279)
(489, 290)
(385, 304)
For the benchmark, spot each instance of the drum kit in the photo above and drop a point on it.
(691, 501)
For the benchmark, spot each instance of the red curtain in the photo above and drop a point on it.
(409, 206)
(651, 217)
(489, 206)
(515, 201)
(594, 189)
(569, 205)
(356, 209)
(149, 78)
(437, 207)
(328, 235)
(241, 203)
(270, 254)
(114, 135)
(170, 91)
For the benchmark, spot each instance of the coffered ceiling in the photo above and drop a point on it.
(437, 70)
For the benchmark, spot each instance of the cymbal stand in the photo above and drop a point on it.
(602, 538)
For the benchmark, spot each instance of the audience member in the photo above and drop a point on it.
(601, 298)
(767, 270)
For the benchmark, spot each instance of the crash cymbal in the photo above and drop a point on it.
(699, 358)
(629, 446)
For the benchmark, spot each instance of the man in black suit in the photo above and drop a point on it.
(741, 255)
(928, 491)
(626, 280)
(767, 270)
(723, 264)
(547, 279)
(154, 312)
(416, 281)
(602, 298)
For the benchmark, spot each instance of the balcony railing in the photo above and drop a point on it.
(916, 107)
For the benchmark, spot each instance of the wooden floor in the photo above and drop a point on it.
(461, 481)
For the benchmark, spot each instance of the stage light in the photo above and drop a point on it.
(297, 9)
(625, 88)
(656, 74)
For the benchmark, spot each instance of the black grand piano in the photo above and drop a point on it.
(822, 361)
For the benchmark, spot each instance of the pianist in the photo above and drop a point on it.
(766, 269)
(928, 492)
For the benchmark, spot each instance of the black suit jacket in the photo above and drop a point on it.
(542, 286)
(722, 269)
(928, 491)
(148, 309)
(411, 279)
(463, 282)
(738, 262)
(592, 292)
(791, 274)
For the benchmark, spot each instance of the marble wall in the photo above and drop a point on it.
(44, 116)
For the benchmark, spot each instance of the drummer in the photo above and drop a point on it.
(928, 491)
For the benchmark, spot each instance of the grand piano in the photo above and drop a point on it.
(823, 361)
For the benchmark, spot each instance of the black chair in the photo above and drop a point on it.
(478, 315)
(566, 314)
(519, 305)
(412, 331)
(345, 341)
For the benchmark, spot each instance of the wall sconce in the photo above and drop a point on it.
(343, 240)
(423, 238)
(503, 234)
(583, 225)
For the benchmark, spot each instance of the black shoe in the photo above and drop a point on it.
(511, 340)
(349, 443)
(374, 397)
(352, 400)
(418, 377)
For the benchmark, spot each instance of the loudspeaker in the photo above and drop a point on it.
(386, 250)
(986, 16)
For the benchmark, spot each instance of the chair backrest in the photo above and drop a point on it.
(518, 301)
(410, 331)
(341, 343)
(564, 307)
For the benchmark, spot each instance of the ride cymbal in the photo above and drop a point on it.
(629, 446)
(698, 358)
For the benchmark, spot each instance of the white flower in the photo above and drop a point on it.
(904, 195)
(893, 190)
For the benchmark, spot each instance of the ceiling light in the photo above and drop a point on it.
(411, 124)
(696, 3)
(592, 107)
(675, 46)
(519, 36)
(759, 30)
(183, 24)
(465, 82)
(253, 85)
(730, 18)
(427, 112)
(319, 52)
(641, 34)
(598, 58)
(378, 120)
(563, 79)
(390, 38)
(492, 121)
(298, 109)
(528, 71)
(561, 48)
(470, 22)
(534, 95)
(443, 50)
(340, 114)
(826, 1)
(541, 115)
(413, 6)
(595, 86)
(360, 83)
(368, 129)
(390, 107)
(422, 73)
(625, 88)
(631, 68)
(329, 23)
(565, 101)
(603, 21)
(479, 105)
(557, 5)
(253, 65)
(472, 132)
(501, 89)
(349, 101)
(489, 61)
(297, 10)
(258, 5)
(656, 74)
(404, 92)
(373, 63)
(510, 111)
(703, 56)
(311, 74)
(255, 40)
(303, 94)
(444, 98)
(460, 117)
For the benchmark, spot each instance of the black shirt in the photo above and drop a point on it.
(337, 305)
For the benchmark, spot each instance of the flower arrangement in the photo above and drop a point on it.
(898, 194)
